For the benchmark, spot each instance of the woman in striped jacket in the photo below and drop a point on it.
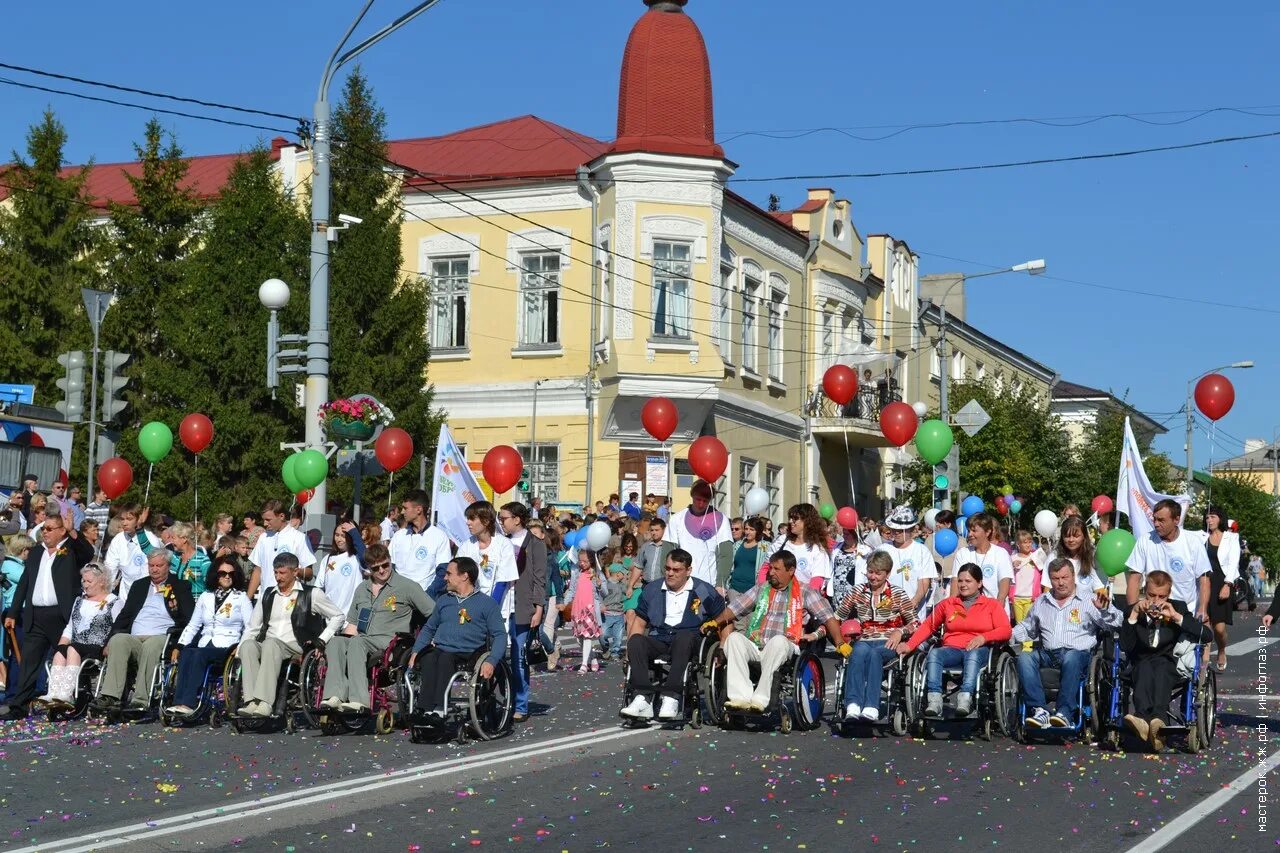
(885, 614)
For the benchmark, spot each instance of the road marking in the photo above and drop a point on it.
(1174, 828)
(343, 788)
(1252, 697)
(1252, 644)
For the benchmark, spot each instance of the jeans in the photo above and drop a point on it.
(944, 657)
(193, 660)
(1072, 662)
(519, 635)
(611, 639)
(862, 675)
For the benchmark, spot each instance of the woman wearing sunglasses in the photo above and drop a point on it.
(222, 612)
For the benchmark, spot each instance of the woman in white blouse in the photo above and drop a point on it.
(221, 615)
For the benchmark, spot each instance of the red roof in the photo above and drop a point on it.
(783, 216)
(811, 205)
(514, 148)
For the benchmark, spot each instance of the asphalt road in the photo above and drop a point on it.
(571, 779)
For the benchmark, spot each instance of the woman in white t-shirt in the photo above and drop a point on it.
(1074, 545)
(994, 561)
(343, 569)
(806, 539)
(914, 570)
(494, 555)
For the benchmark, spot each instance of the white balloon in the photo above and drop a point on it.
(920, 409)
(756, 501)
(598, 535)
(930, 517)
(1046, 523)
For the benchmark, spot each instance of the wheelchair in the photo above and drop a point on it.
(797, 697)
(85, 690)
(995, 704)
(480, 706)
(1085, 723)
(1193, 708)
(697, 688)
(211, 704)
(297, 693)
(898, 711)
(159, 693)
(389, 706)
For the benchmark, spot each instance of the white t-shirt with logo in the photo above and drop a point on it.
(497, 564)
(1185, 559)
(996, 566)
(290, 540)
(1095, 581)
(125, 561)
(910, 565)
(701, 541)
(811, 562)
(338, 579)
(416, 555)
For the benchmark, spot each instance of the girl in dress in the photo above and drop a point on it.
(586, 606)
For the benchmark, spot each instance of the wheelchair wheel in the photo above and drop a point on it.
(385, 722)
(310, 688)
(1094, 689)
(1005, 697)
(490, 702)
(713, 684)
(810, 685)
(1207, 708)
(86, 684)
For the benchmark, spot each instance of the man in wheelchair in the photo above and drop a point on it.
(156, 610)
(1064, 623)
(383, 606)
(779, 607)
(463, 623)
(284, 619)
(667, 622)
(1153, 628)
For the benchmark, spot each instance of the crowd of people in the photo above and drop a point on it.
(120, 584)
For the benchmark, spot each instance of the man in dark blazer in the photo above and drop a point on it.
(531, 596)
(42, 602)
(1153, 627)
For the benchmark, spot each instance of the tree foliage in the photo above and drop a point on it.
(1237, 493)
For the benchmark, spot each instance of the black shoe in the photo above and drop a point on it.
(13, 712)
(106, 703)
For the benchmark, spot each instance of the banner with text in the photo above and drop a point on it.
(454, 488)
(1134, 495)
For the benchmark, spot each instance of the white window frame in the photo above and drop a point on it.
(543, 471)
(935, 363)
(672, 272)
(981, 372)
(748, 475)
(457, 286)
(773, 475)
(777, 309)
(542, 287)
(605, 263)
(748, 329)
(724, 312)
(826, 340)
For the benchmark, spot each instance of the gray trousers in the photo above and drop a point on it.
(260, 664)
(123, 648)
(347, 675)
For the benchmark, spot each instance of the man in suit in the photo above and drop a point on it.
(531, 595)
(652, 559)
(42, 603)
(158, 604)
(1150, 632)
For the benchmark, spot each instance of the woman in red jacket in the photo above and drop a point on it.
(970, 622)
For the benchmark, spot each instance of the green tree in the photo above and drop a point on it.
(379, 315)
(47, 253)
(1238, 494)
(1095, 461)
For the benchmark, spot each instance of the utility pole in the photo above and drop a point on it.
(96, 303)
(533, 444)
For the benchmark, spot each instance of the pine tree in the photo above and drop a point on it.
(378, 314)
(47, 253)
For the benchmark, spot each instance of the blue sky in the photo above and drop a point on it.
(1195, 225)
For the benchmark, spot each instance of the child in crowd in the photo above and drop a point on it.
(1026, 578)
(631, 591)
(586, 606)
(612, 602)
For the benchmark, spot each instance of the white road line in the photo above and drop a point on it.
(30, 740)
(1251, 697)
(1251, 645)
(1174, 828)
(346, 787)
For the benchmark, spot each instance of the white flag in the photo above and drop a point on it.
(1134, 495)
(454, 488)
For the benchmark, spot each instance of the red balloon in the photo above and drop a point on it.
(708, 458)
(502, 467)
(1001, 503)
(898, 422)
(1102, 505)
(115, 476)
(393, 448)
(1002, 508)
(303, 496)
(847, 517)
(196, 431)
(1215, 396)
(841, 384)
(660, 418)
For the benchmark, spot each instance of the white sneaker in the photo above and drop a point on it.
(853, 711)
(354, 706)
(870, 714)
(669, 709)
(332, 702)
(640, 709)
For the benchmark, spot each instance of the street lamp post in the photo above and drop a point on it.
(533, 444)
(1190, 409)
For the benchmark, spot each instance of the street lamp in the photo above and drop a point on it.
(317, 387)
(274, 295)
(1190, 408)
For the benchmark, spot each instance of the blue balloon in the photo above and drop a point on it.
(1015, 506)
(972, 505)
(945, 542)
(571, 538)
(962, 526)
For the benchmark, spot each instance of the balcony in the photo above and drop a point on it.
(860, 419)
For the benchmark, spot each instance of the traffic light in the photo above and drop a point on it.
(526, 481)
(942, 485)
(72, 386)
(113, 384)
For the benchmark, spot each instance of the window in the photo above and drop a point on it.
(959, 364)
(671, 274)
(750, 293)
(540, 299)
(544, 470)
(773, 484)
(722, 493)
(606, 292)
(827, 354)
(1017, 387)
(935, 364)
(450, 286)
(981, 372)
(724, 313)
(775, 335)
(746, 482)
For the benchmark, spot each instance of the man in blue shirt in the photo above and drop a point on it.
(632, 506)
(463, 621)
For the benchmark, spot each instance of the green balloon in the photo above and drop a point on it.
(1113, 551)
(933, 441)
(289, 475)
(155, 441)
(827, 511)
(310, 468)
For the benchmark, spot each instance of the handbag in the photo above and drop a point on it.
(535, 654)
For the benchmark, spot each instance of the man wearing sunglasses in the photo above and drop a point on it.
(383, 606)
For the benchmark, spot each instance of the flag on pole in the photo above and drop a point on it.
(1134, 495)
(454, 488)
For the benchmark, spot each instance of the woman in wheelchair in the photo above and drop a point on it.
(463, 622)
(92, 614)
(970, 623)
(884, 613)
(222, 613)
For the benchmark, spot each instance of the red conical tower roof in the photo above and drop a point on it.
(664, 99)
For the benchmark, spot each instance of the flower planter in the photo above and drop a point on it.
(349, 431)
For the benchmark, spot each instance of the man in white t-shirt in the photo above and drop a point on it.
(1171, 549)
(125, 562)
(278, 537)
(704, 532)
(913, 568)
(390, 524)
(419, 551)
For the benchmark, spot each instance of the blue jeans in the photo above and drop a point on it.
(942, 657)
(193, 660)
(519, 635)
(611, 638)
(863, 673)
(1072, 662)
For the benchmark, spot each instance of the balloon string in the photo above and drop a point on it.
(391, 480)
(195, 486)
(848, 464)
(1208, 495)
(146, 497)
